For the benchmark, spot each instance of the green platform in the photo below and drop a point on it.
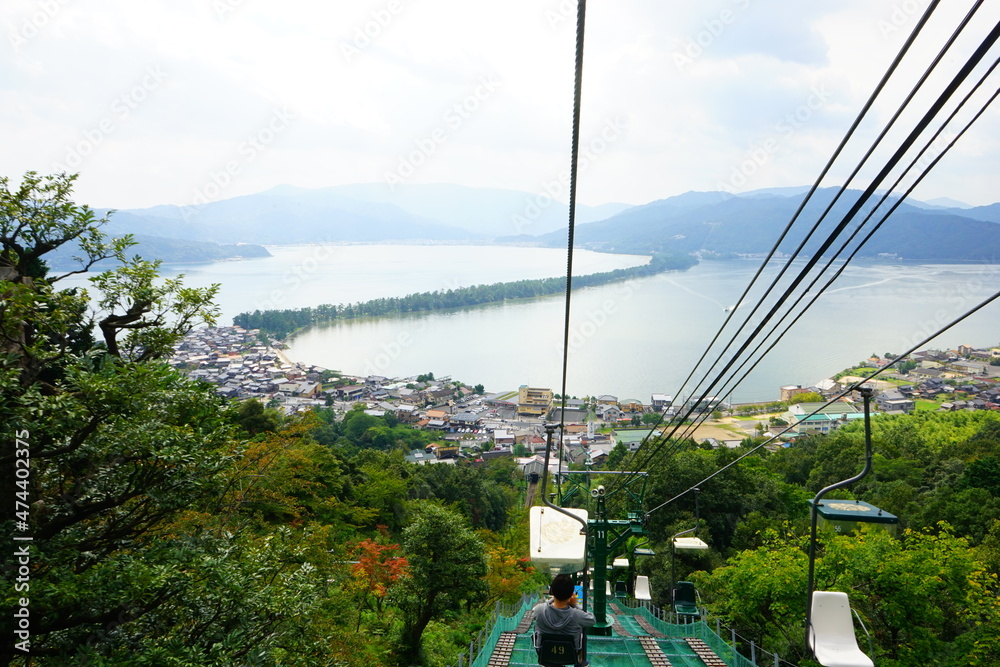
(619, 650)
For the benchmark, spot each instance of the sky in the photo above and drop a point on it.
(188, 101)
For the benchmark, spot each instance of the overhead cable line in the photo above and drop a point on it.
(899, 201)
(829, 165)
(926, 119)
(864, 380)
(858, 204)
(574, 162)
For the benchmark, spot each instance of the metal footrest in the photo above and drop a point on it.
(655, 655)
(705, 653)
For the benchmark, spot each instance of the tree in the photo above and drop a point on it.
(924, 597)
(479, 389)
(447, 566)
(806, 397)
(254, 418)
(138, 554)
(379, 567)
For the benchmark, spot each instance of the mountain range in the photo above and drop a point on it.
(715, 224)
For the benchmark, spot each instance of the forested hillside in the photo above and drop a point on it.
(154, 523)
(158, 524)
(928, 593)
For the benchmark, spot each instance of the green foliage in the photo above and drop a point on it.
(447, 564)
(925, 597)
(806, 397)
(254, 418)
(745, 488)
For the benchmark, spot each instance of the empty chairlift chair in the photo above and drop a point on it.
(642, 588)
(831, 635)
(685, 601)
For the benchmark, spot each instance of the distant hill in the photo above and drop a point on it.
(721, 224)
(165, 249)
(290, 215)
(490, 212)
(368, 212)
(716, 223)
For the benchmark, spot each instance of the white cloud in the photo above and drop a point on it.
(702, 86)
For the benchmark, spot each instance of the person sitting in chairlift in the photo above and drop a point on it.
(559, 625)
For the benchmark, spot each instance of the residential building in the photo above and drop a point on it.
(533, 402)
(661, 401)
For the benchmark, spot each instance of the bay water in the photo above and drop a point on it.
(629, 339)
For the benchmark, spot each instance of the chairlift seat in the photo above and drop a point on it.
(689, 544)
(621, 589)
(832, 632)
(556, 541)
(685, 599)
(554, 649)
(642, 588)
(620, 562)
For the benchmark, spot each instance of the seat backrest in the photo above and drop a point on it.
(556, 649)
(832, 631)
(831, 617)
(684, 592)
(642, 588)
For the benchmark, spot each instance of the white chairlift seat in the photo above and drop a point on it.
(832, 632)
(642, 588)
(556, 542)
(689, 544)
(620, 562)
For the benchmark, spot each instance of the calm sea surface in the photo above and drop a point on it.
(629, 339)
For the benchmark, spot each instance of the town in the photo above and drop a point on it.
(477, 425)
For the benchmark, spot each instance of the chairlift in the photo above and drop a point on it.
(829, 626)
(832, 632)
(683, 544)
(684, 598)
(642, 588)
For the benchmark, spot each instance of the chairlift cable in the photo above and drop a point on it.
(871, 188)
(833, 400)
(829, 165)
(573, 169)
(866, 195)
(868, 236)
(574, 161)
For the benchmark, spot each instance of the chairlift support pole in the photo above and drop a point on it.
(673, 549)
(867, 391)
